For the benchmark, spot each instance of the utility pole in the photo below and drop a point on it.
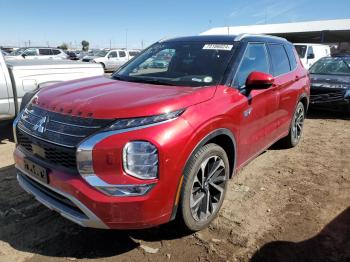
(126, 39)
(142, 43)
(28, 43)
(110, 44)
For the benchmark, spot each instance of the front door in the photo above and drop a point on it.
(253, 112)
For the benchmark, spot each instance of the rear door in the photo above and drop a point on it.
(45, 53)
(123, 58)
(284, 66)
(254, 111)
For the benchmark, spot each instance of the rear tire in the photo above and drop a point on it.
(296, 127)
(204, 187)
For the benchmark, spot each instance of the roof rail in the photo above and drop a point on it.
(241, 36)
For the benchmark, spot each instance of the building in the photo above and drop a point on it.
(333, 32)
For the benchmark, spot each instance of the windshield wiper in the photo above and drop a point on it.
(151, 81)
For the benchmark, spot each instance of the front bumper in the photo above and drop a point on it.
(330, 97)
(74, 199)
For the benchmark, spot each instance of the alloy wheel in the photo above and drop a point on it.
(208, 188)
(298, 123)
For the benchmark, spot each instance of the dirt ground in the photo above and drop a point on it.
(286, 205)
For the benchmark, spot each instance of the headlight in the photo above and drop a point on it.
(140, 159)
(142, 121)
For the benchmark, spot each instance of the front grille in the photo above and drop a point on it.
(54, 137)
(326, 95)
(51, 153)
(57, 128)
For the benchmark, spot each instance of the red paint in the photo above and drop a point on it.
(207, 109)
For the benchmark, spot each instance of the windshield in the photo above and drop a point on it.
(18, 51)
(179, 63)
(331, 66)
(101, 53)
(301, 49)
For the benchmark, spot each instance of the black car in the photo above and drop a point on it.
(330, 83)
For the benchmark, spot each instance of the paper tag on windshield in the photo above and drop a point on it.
(218, 47)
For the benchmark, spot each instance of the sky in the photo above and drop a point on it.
(137, 23)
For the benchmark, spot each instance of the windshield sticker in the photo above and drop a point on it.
(217, 47)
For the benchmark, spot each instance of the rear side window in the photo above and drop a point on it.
(44, 51)
(56, 51)
(133, 53)
(280, 62)
(291, 56)
(254, 59)
(122, 54)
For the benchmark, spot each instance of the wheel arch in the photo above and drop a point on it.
(222, 137)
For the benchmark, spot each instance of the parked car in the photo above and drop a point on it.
(112, 59)
(143, 147)
(37, 53)
(311, 53)
(89, 55)
(73, 55)
(330, 83)
(4, 53)
(21, 79)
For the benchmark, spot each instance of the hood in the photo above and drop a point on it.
(101, 97)
(329, 81)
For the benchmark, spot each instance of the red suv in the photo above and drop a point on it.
(153, 143)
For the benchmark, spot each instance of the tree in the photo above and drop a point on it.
(63, 46)
(85, 45)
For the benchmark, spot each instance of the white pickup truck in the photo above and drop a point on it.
(20, 77)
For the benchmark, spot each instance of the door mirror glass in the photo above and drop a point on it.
(259, 80)
(311, 56)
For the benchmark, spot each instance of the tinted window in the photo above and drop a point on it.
(113, 54)
(56, 51)
(301, 49)
(180, 63)
(133, 53)
(254, 59)
(310, 50)
(279, 59)
(122, 54)
(44, 51)
(291, 56)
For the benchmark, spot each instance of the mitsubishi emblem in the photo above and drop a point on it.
(40, 125)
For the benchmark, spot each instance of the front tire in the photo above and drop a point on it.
(296, 128)
(204, 188)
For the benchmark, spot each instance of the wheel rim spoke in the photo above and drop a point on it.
(208, 188)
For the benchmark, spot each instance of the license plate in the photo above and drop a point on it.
(36, 171)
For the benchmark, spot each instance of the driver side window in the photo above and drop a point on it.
(254, 59)
(30, 52)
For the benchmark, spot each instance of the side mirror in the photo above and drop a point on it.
(259, 80)
(24, 55)
(311, 56)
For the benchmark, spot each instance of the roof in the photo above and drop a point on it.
(225, 38)
(310, 26)
(310, 31)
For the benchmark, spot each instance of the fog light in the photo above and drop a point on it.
(140, 159)
(126, 190)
